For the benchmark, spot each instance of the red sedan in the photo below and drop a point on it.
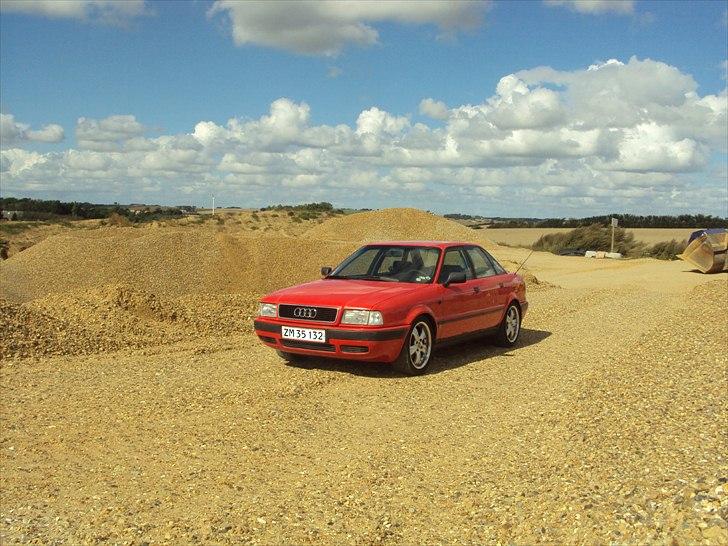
(392, 302)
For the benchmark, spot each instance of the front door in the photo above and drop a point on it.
(460, 301)
(490, 285)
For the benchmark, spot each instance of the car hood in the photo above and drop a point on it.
(340, 293)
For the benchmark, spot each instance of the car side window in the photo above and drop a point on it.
(498, 267)
(454, 262)
(482, 265)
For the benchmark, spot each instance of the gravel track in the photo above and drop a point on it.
(605, 425)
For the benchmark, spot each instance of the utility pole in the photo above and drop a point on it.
(615, 222)
(213, 213)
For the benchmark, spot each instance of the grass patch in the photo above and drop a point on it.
(13, 228)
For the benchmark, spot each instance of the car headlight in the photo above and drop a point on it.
(267, 310)
(362, 317)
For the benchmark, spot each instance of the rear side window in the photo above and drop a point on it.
(481, 264)
(498, 268)
(454, 262)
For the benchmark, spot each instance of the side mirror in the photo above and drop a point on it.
(454, 278)
(326, 271)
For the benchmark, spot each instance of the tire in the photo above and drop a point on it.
(510, 327)
(291, 359)
(416, 354)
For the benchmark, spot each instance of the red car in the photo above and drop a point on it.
(392, 302)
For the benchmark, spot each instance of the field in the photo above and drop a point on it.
(528, 236)
(138, 406)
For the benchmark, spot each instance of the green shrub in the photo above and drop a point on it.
(667, 250)
(593, 237)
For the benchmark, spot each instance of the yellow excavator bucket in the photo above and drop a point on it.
(708, 252)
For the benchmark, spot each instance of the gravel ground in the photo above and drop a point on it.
(604, 426)
(133, 415)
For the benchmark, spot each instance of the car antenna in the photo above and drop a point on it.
(523, 262)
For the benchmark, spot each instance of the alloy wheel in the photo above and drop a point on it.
(513, 323)
(420, 345)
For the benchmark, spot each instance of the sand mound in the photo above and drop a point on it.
(117, 317)
(166, 262)
(394, 224)
(177, 261)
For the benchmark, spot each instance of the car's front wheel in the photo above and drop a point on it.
(510, 327)
(417, 349)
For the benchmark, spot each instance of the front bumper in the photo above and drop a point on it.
(365, 344)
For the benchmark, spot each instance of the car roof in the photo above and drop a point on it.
(437, 244)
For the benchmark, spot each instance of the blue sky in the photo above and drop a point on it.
(172, 65)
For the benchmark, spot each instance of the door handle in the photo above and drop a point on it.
(476, 290)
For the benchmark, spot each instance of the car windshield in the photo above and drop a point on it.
(415, 264)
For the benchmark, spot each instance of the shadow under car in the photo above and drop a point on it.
(446, 357)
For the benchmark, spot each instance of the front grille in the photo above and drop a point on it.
(307, 313)
(354, 349)
(327, 347)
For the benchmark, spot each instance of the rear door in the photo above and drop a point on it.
(488, 287)
(504, 280)
(460, 307)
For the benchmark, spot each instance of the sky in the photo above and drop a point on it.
(502, 108)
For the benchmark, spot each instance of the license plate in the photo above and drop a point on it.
(303, 334)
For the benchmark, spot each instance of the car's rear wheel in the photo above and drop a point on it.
(416, 353)
(510, 327)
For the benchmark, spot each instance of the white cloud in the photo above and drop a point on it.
(14, 133)
(377, 122)
(112, 12)
(614, 135)
(49, 133)
(107, 134)
(325, 27)
(595, 6)
(433, 108)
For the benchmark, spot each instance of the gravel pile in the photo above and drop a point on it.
(165, 261)
(117, 317)
(402, 224)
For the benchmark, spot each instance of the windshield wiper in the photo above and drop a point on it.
(373, 278)
(363, 277)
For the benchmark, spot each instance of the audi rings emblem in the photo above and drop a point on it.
(304, 312)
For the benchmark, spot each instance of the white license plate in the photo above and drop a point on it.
(303, 334)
